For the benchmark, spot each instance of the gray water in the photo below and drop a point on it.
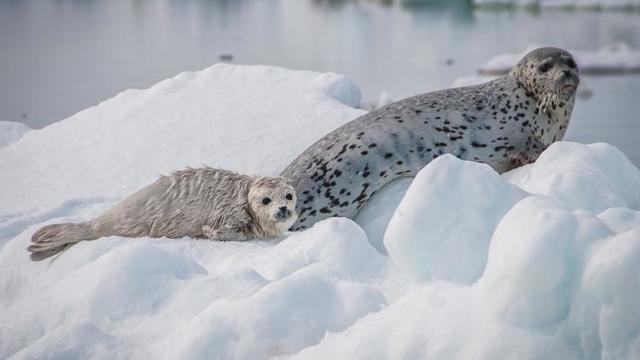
(60, 56)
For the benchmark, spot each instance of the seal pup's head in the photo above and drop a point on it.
(549, 75)
(273, 202)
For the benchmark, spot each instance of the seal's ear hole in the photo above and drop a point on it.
(544, 67)
(266, 201)
(571, 63)
(289, 197)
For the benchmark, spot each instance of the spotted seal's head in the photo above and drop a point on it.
(549, 75)
(273, 201)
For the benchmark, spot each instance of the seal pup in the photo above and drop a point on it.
(200, 203)
(505, 123)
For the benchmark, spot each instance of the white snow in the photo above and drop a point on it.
(377, 212)
(384, 98)
(611, 59)
(542, 262)
(216, 117)
(555, 280)
(441, 245)
(594, 4)
(609, 180)
(11, 132)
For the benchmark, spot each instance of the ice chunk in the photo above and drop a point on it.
(611, 59)
(536, 254)
(593, 177)
(620, 219)
(605, 314)
(281, 318)
(442, 227)
(440, 321)
(375, 215)
(11, 132)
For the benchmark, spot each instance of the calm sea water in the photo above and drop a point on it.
(60, 56)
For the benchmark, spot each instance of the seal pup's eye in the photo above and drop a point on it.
(545, 67)
(266, 201)
(289, 197)
(571, 63)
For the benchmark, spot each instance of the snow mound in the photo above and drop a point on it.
(507, 274)
(189, 299)
(539, 263)
(252, 119)
(375, 215)
(592, 4)
(593, 177)
(384, 99)
(449, 245)
(611, 59)
(11, 132)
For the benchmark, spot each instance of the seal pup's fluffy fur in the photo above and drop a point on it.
(200, 203)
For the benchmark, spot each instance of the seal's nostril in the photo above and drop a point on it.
(283, 209)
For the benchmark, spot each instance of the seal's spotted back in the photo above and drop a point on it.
(504, 123)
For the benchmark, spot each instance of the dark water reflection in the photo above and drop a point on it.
(58, 57)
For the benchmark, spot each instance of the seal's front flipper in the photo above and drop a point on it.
(224, 233)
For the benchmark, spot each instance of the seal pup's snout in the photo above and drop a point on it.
(283, 213)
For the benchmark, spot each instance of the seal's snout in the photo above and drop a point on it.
(569, 76)
(283, 213)
(568, 82)
(569, 88)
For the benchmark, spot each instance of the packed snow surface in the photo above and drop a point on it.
(611, 59)
(458, 263)
(219, 116)
(11, 131)
(593, 4)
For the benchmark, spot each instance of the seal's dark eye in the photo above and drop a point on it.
(289, 197)
(571, 63)
(266, 201)
(545, 67)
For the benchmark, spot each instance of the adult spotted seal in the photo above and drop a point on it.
(505, 123)
(205, 202)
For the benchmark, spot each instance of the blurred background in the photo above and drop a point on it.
(58, 57)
